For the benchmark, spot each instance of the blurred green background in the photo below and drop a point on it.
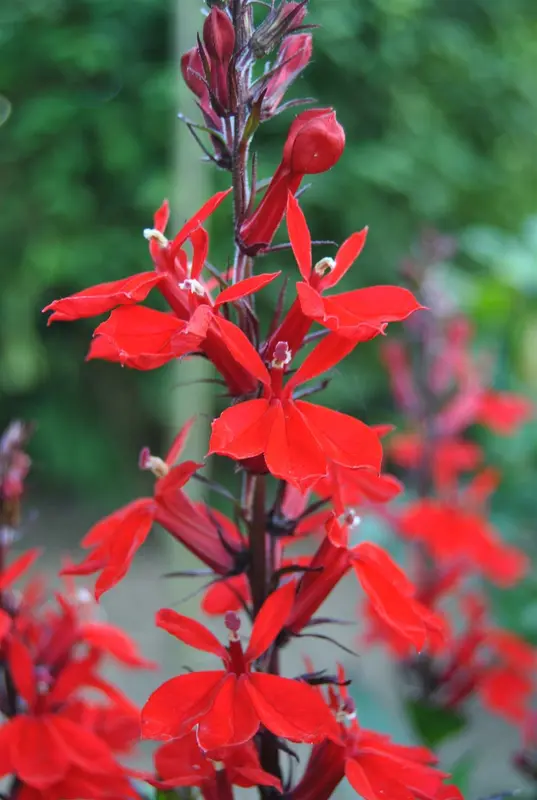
(439, 102)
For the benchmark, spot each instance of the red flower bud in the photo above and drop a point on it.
(219, 41)
(294, 55)
(219, 36)
(314, 144)
(193, 73)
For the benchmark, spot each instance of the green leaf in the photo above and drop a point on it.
(434, 724)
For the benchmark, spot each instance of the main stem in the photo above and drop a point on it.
(260, 574)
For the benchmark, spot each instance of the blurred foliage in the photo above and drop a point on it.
(439, 104)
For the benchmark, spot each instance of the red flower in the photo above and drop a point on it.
(129, 291)
(298, 440)
(229, 705)
(142, 338)
(98, 299)
(389, 591)
(182, 763)
(374, 766)
(8, 576)
(314, 144)
(41, 745)
(455, 534)
(360, 314)
(115, 539)
(504, 412)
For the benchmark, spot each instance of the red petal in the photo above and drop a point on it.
(105, 529)
(200, 249)
(242, 431)
(299, 236)
(114, 642)
(176, 706)
(504, 412)
(104, 297)
(37, 759)
(232, 720)
(362, 312)
(161, 217)
(329, 352)
(176, 478)
(84, 748)
(291, 709)
(21, 667)
(226, 595)
(293, 452)
(244, 288)
(198, 219)
(271, 618)
(358, 780)
(18, 567)
(143, 338)
(242, 350)
(129, 537)
(380, 578)
(182, 762)
(179, 442)
(5, 625)
(345, 440)
(345, 258)
(189, 631)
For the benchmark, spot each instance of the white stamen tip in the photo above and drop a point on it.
(194, 286)
(152, 233)
(324, 266)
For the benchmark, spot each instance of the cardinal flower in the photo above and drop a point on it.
(314, 144)
(129, 291)
(375, 766)
(298, 440)
(360, 314)
(229, 705)
(115, 540)
(8, 576)
(386, 586)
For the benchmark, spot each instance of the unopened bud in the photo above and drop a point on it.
(219, 36)
(233, 624)
(282, 356)
(158, 236)
(324, 266)
(315, 142)
(154, 464)
(287, 17)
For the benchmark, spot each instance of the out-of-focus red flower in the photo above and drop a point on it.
(42, 744)
(314, 144)
(229, 705)
(504, 412)
(458, 532)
